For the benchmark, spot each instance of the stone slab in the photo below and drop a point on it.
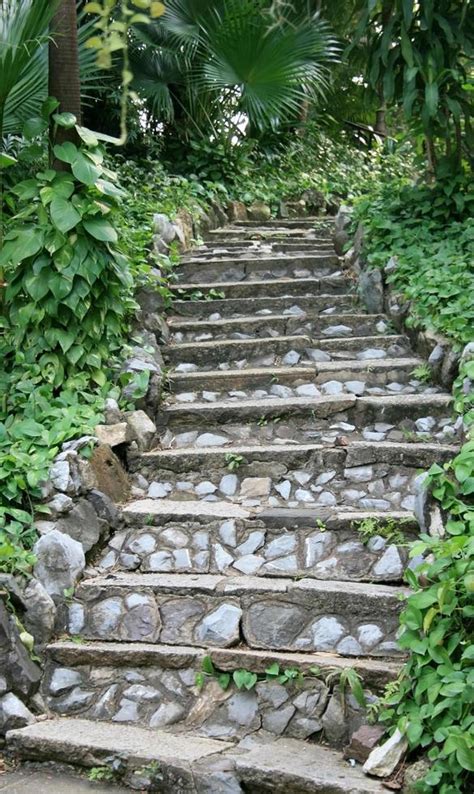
(287, 765)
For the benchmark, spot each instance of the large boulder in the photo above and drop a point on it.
(371, 290)
(236, 211)
(259, 211)
(60, 562)
(13, 714)
(18, 671)
(40, 612)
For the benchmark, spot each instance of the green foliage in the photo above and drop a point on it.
(101, 773)
(69, 289)
(389, 529)
(233, 461)
(204, 64)
(430, 231)
(418, 58)
(433, 702)
(347, 678)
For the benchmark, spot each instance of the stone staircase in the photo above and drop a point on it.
(266, 535)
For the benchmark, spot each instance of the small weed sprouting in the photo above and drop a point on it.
(233, 462)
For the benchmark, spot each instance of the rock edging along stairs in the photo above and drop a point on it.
(266, 535)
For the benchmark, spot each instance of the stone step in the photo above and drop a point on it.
(252, 247)
(274, 234)
(292, 305)
(346, 325)
(304, 420)
(191, 764)
(155, 686)
(287, 350)
(309, 222)
(290, 766)
(182, 763)
(320, 549)
(277, 287)
(221, 611)
(367, 374)
(199, 271)
(363, 475)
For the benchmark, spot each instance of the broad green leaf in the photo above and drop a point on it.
(34, 127)
(431, 98)
(67, 152)
(63, 214)
(84, 170)
(6, 160)
(66, 120)
(100, 229)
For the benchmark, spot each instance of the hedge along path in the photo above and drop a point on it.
(260, 568)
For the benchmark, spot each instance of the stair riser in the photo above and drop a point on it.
(312, 245)
(206, 355)
(303, 222)
(267, 235)
(153, 696)
(303, 619)
(357, 325)
(239, 269)
(389, 486)
(223, 547)
(268, 289)
(251, 305)
(372, 374)
(361, 411)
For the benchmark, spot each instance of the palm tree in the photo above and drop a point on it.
(64, 82)
(205, 61)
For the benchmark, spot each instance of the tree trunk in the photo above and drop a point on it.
(64, 81)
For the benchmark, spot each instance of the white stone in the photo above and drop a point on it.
(160, 561)
(349, 647)
(389, 564)
(254, 541)
(287, 564)
(63, 679)
(222, 557)
(186, 397)
(174, 537)
(186, 367)
(292, 357)
(317, 355)
(228, 484)
(302, 495)
(307, 390)
(210, 396)
(325, 477)
(337, 330)
(371, 353)
(182, 559)
(281, 391)
(332, 387)
(369, 635)
(408, 503)
(284, 488)
(205, 488)
(356, 387)
(384, 759)
(359, 473)
(326, 633)
(211, 440)
(249, 564)
(158, 490)
(425, 424)
(327, 499)
(301, 477)
(221, 626)
(317, 546)
(281, 546)
(228, 533)
(59, 475)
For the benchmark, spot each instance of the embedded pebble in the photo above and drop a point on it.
(308, 390)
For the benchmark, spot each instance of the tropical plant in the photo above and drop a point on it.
(418, 58)
(204, 64)
(25, 37)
